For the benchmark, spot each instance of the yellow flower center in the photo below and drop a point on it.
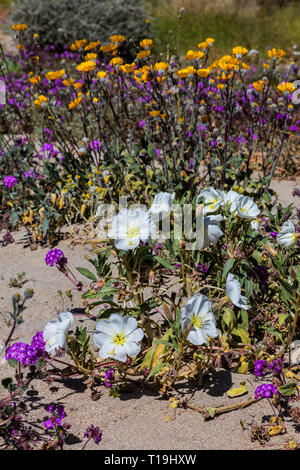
(133, 232)
(197, 321)
(119, 339)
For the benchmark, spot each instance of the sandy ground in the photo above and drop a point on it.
(131, 421)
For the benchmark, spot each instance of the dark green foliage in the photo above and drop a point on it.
(89, 19)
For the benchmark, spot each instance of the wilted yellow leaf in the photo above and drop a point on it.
(238, 391)
(276, 430)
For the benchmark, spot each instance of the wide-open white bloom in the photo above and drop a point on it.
(198, 315)
(118, 337)
(246, 208)
(231, 198)
(161, 205)
(55, 332)
(212, 231)
(287, 236)
(213, 199)
(233, 289)
(129, 227)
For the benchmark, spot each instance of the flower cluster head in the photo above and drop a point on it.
(94, 433)
(276, 366)
(260, 367)
(10, 181)
(27, 354)
(55, 256)
(265, 391)
(58, 414)
(109, 377)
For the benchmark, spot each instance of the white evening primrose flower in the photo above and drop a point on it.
(118, 337)
(247, 209)
(130, 227)
(287, 236)
(161, 205)
(55, 332)
(233, 290)
(213, 199)
(231, 198)
(254, 224)
(212, 231)
(197, 317)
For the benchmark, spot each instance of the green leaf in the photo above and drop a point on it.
(155, 370)
(163, 262)
(288, 389)
(227, 267)
(86, 273)
(242, 335)
(14, 216)
(211, 411)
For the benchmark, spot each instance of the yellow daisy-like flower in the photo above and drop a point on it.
(116, 61)
(92, 45)
(78, 85)
(239, 52)
(184, 73)
(227, 63)
(146, 44)
(20, 47)
(107, 48)
(78, 44)
(19, 27)
(87, 66)
(259, 86)
(91, 56)
(40, 101)
(117, 38)
(35, 80)
(193, 55)
(286, 87)
(56, 74)
(102, 75)
(69, 82)
(203, 73)
(128, 68)
(161, 67)
(276, 53)
(76, 102)
(143, 54)
(210, 41)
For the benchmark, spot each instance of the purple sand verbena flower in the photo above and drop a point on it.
(10, 181)
(276, 366)
(55, 256)
(27, 354)
(265, 391)
(94, 433)
(260, 367)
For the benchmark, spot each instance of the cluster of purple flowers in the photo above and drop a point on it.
(262, 273)
(109, 377)
(265, 391)
(94, 433)
(202, 268)
(55, 256)
(261, 367)
(28, 354)
(58, 414)
(10, 181)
